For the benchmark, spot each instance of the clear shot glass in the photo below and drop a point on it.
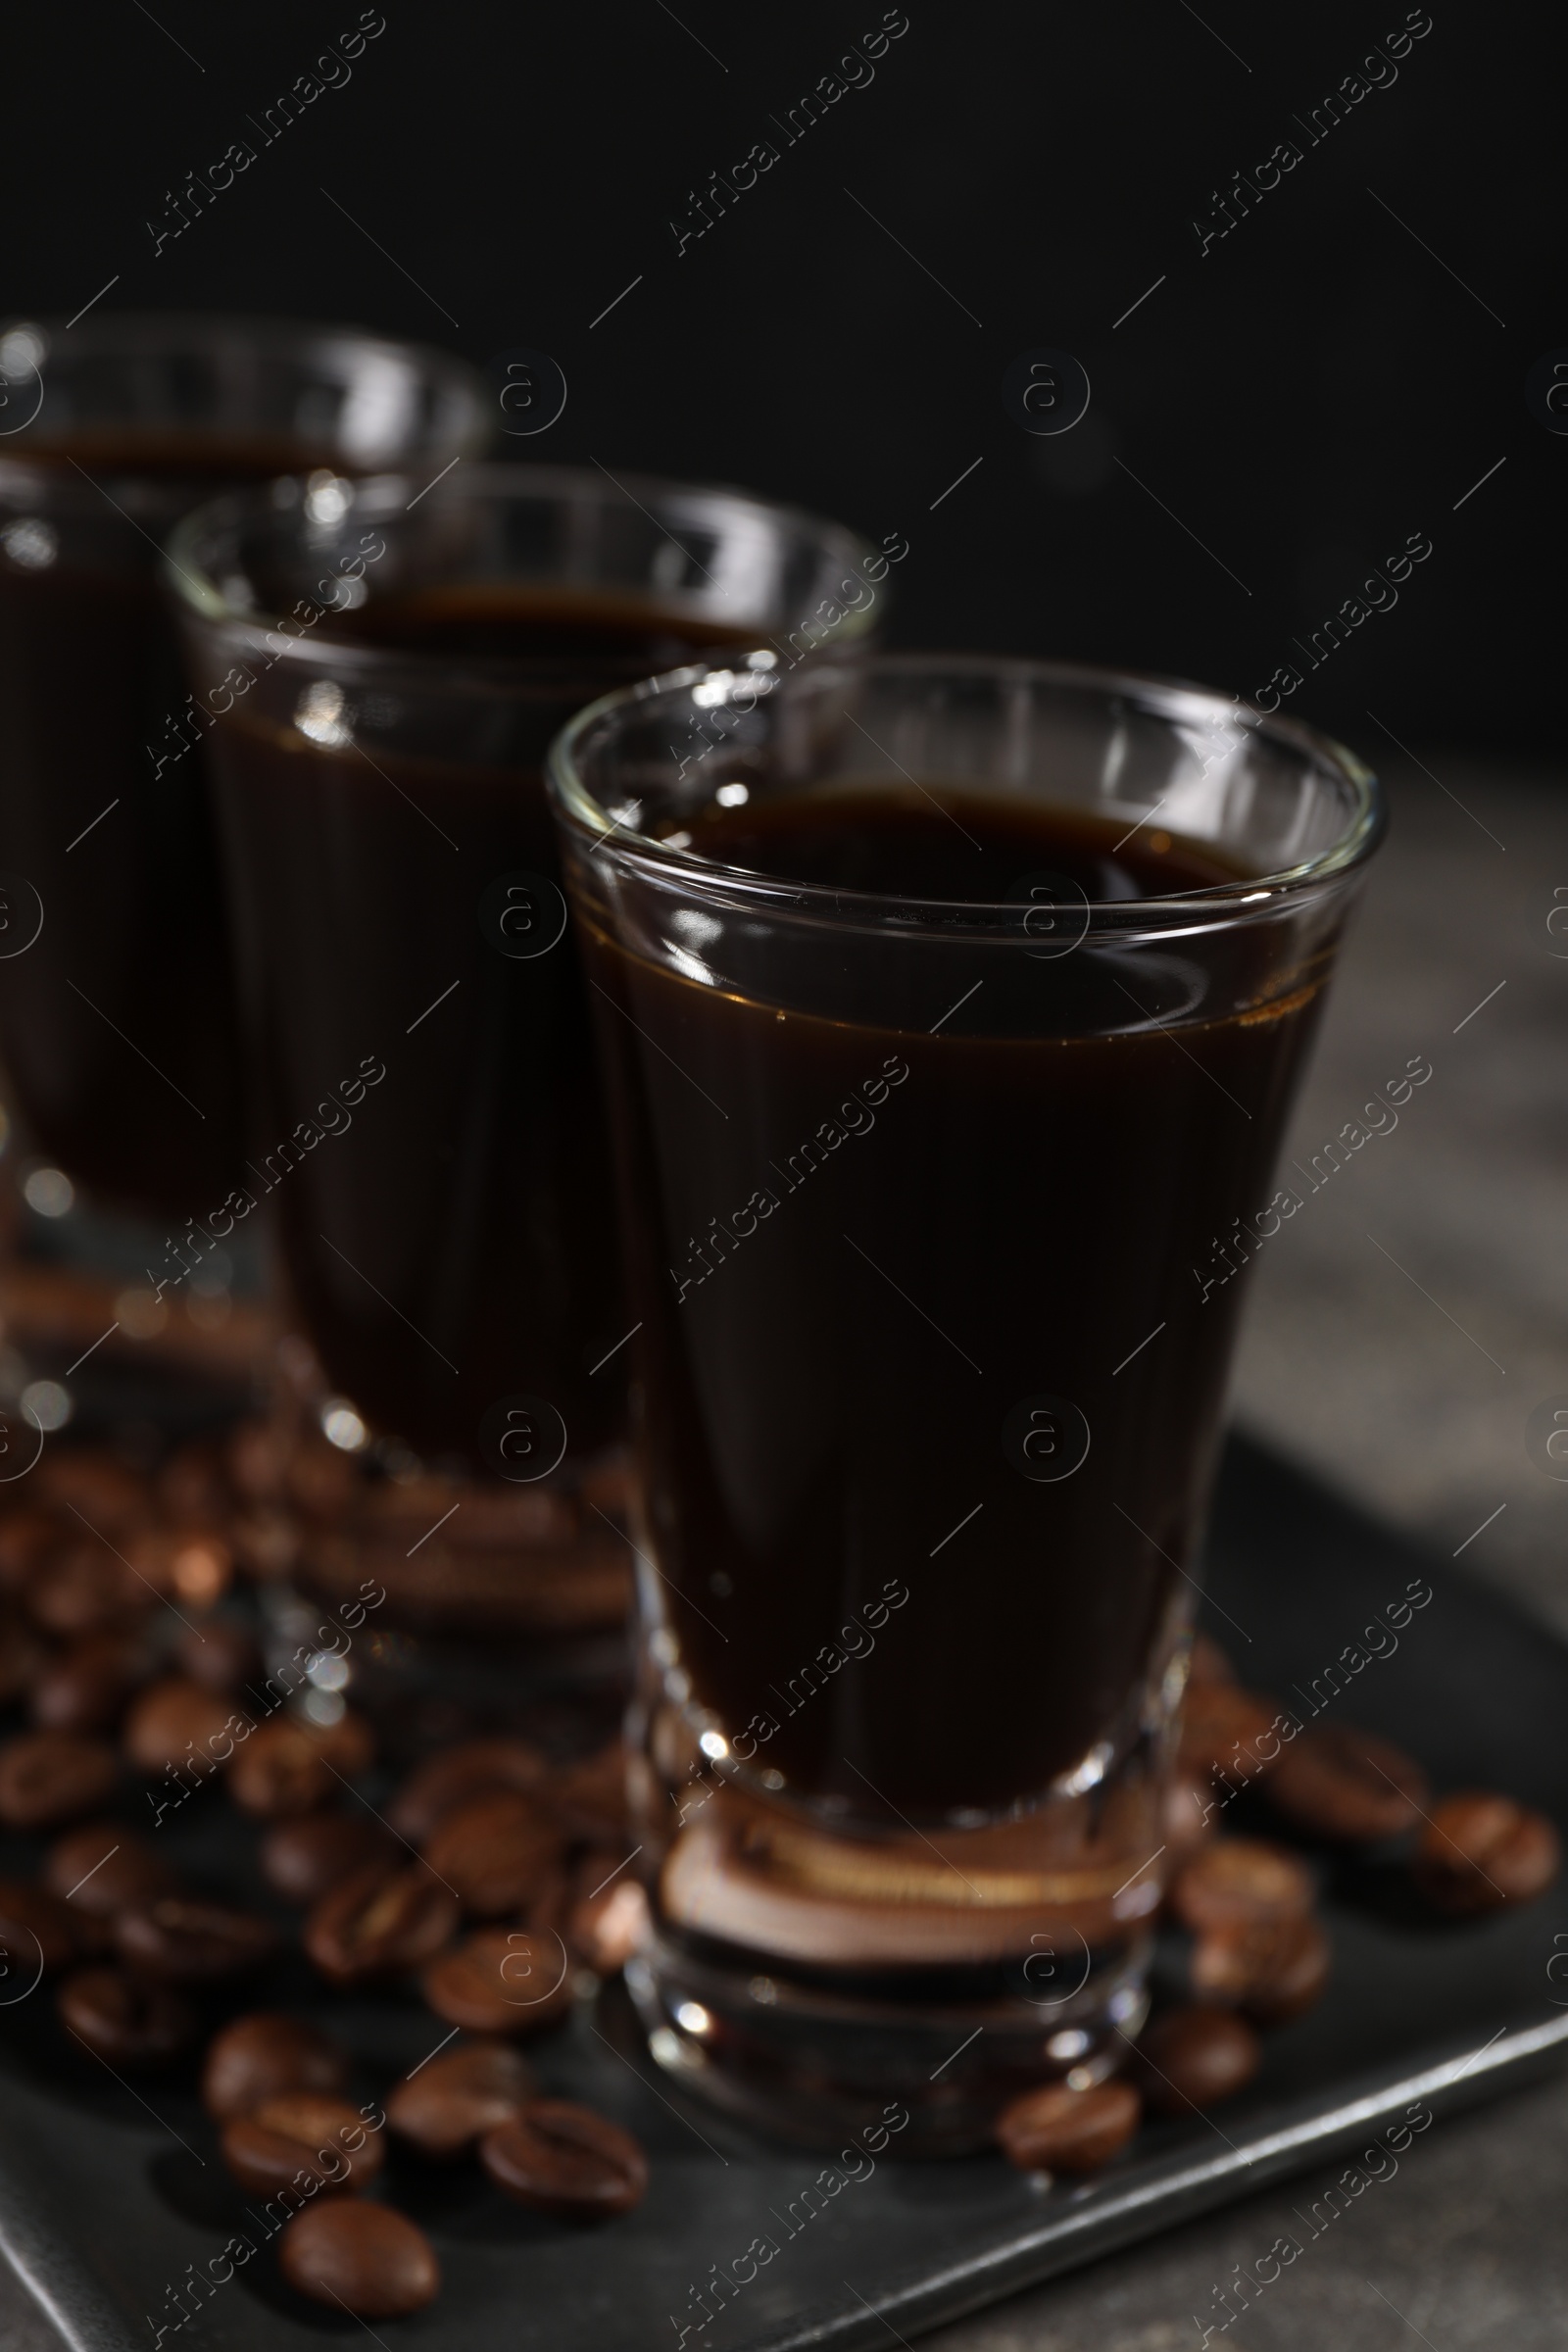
(950, 1011)
(380, 673)
(117, 1022)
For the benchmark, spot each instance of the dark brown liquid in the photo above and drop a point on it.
(457, 1245)
(1002, 1209)
(118, 1025)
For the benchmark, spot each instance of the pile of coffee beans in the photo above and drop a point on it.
(492, 1881)
(1240, 1910)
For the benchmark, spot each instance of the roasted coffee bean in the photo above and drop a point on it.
(177, 1722)
(87, 1590)
(258, 2057)
(303, 1860)
(1479, 1851)
(1057, 2129)
(287, 1767)
(1222, 1731)
(1274, 1969)
(455, 2098)
(85, 1687)
(220, 1655)
(456, 1776)
(365, 2259)
(591, 1797)
(124, 2020)
(50, 1777)
(22, 1658)
(303, 2131)
(501, 1983)
(496, 1851)
(1209, 1664)
(1335, 1782)
(605, 1926)
(379, 1921)
(1238, 1882)
(37, 1931)
(103, 1867)
(192, 1566)
(562, 2159)
(185, 1939)
(1195, 2057)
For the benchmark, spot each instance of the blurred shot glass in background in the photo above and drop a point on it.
(952, 1009)
(118, 1025)
(387, 663)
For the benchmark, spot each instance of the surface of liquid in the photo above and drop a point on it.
(455, 1244)
(930, 1378)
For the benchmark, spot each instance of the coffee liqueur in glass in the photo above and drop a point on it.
(449, 1239)
(118, 1023)
(951, 1010)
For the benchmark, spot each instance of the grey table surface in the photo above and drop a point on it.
(1400, 1331)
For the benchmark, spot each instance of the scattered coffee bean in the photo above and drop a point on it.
(379, 1921)
(456, 1776)
(287, 1767)
(1479, 1851)
(36, 1930)
(1057, 2129)
(177, 1722)
(85, 1687)
(1335, 1782)
(255, 2057)
(606, 1926)
(1240, 1881)
(307, 2131)
(1222, 1728)
(185, 1939)
(1272, 1969)
(303, 1860)
(49, 1776)
(458, 2096)
(220, 1655)
(497, 1851)
(103, 1867)
(124, 2020)
(501, 1982)
(562, 2159)
(363, 2259)
(1195, 2057)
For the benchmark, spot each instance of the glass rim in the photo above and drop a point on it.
(483, 479)
(1243, 900)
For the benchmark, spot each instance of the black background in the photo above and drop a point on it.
(1303, 398)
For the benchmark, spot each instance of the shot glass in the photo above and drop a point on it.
(950, 1011)
(118, 1021)
(382, 670)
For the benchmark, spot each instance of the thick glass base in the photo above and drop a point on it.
(931, 2057)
